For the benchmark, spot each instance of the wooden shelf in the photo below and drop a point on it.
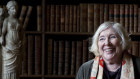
(56, 76)
(31, 76)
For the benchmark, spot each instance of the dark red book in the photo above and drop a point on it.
(52, 18)
(135, 18)
(127, 17)
(67, 18)
(96, 16)
(122, 13)
(106, 12)
(62, 20)
(117, 12)
(39, 18)
(58, 18)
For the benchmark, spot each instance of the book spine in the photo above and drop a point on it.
(116, 12)
(52, 18)
(55, 57)
(106, 12)
(39, 18)
(85, 51)
(67, 57)
(122, 13)
(101, 13)
(74, 18)
(38, 52)
(22, 14)
(25, 58)
(83, 17)
(62, 20)
(131, 18)
(61, 57)
(58, 18)
(30, 54)
(71, 19)
(78, 18)
(127, 17)
(79, 54)
(50, 56)
(111, 12)
(90, 17)
(96, 16)
(27, 17)
(135, 18)
(48, 14)
(67, 18)
(73, 57)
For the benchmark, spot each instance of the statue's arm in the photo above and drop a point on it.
(4, 30)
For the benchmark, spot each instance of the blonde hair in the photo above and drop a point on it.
(118, 28)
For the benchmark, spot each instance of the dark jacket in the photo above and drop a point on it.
(85, 70)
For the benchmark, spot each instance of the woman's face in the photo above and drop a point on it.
(12, 10)
(109, 44)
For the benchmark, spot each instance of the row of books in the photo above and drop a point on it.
(32, 58)
(86, 17)
(64, 57)
(135, 48)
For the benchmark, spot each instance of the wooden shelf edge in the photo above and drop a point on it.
(60, 76)
(31, 76)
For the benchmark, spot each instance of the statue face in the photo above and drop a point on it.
(12, 10)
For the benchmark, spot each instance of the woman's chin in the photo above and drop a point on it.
(108, 56)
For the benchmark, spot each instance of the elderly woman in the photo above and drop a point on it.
(110, 45)
(11, 43)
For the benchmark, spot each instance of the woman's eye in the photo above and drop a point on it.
(113, 36)
(101, 39)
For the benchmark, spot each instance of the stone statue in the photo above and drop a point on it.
(12, 42)
(1, 19)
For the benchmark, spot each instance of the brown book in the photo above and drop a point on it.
(101, 13)
(25, 58)
(111, 12)
(55, 57)
(78, 18)
(135, 18)
(79, 52)
(22, 14)
(90, 17)
(71, 19)
(127, 17)
(122, 13)
(31, 54)
(61, 57)
(83, 17)
(73, 58)
(38, 52)
(106, 12)
(67, 18)
(135, 48)
(62, 20)
(39, 18)
(50, 57)
(131, 18)
(90, 54)
(58, 18)
(27, 17)
(85, 50)
(47, 18)
(138, 20)
(74, 18)
(67, 57)
(117, 12)
(96, 16)
(52, 18)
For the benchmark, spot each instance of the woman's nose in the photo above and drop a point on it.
(107, 42)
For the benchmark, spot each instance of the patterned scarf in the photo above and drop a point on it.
(127, 71)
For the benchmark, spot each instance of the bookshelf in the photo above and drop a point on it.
(59, 33)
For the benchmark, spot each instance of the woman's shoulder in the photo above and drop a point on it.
(88, 63)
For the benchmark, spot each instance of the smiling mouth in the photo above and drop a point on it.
(109, 50)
